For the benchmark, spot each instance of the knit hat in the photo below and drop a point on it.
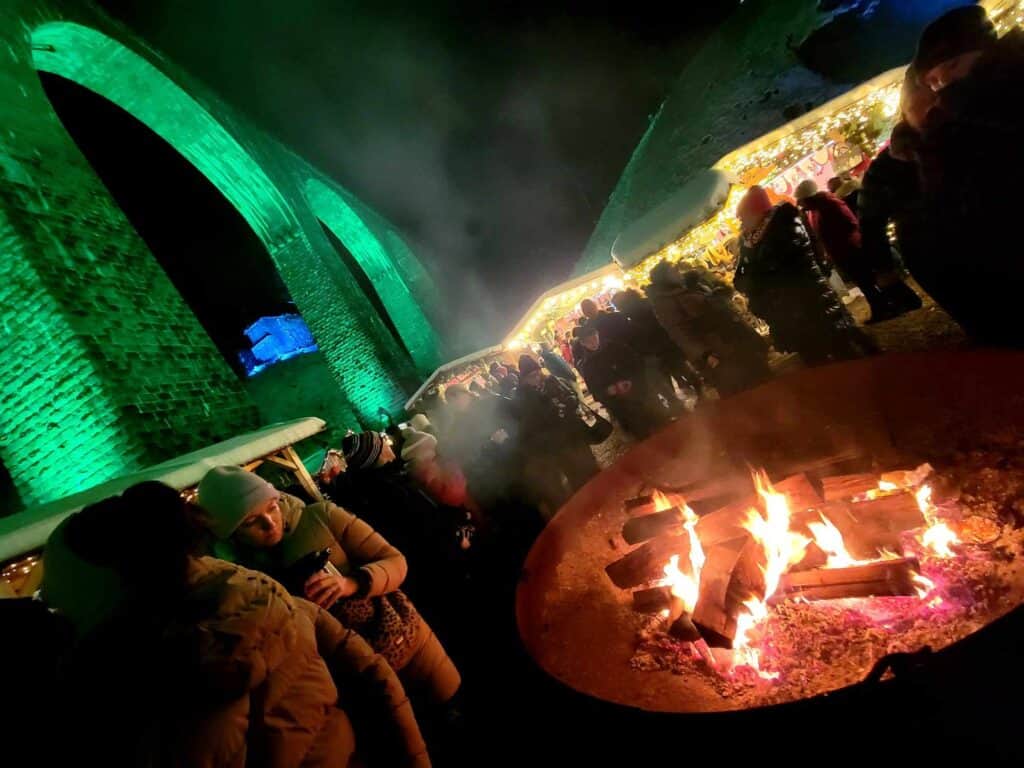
(755, 202)
(362, 450)
(418, 445)
(805, 189)
(960, 31)
(419, 422)
(527, 365)
(228, 494)
(589, 329)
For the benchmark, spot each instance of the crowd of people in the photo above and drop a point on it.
(256, 625)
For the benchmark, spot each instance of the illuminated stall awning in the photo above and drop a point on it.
(699, 199)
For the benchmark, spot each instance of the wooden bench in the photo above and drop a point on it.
(23, 535)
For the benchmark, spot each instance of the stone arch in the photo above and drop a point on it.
(415, 333)
(370, 374)
(119, 74)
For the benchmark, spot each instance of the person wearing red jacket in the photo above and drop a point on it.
(838, 231)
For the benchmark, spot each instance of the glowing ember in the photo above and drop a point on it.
(885, 485)
(938, 537)
(922, 584)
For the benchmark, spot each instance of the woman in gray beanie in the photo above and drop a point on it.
(356, 577)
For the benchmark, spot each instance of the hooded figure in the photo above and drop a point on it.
(359, 582)
(971, 165)
(778, 273)
(207, 663)
(698, 314)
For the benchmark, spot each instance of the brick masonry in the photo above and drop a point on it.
(104, 368)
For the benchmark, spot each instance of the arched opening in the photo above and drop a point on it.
(255, 223)
(209, 251)
(366, 286)
(374, 269)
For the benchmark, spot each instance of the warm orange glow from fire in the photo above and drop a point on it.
(662, 501)
(830, 541)
(686, 588)
(922, 584)
(782, 547)
(938, 537)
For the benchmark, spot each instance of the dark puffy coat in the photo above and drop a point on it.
(548, 418)
(701, 320)
(972, 164)
(639, 410)
(891, 191)
(613, 326)
(778, 274)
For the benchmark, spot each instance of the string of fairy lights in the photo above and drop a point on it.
(864, 124)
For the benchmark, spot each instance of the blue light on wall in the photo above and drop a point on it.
(275, 339)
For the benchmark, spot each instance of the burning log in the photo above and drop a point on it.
(731, 574)
(868, 527)
(652, 600)
(884, 577)
(728, 522)
(639, 505)
(843, 487)
(646, 563)
(644, 527)
(800, 492)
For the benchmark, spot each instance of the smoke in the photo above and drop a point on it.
(492, 143)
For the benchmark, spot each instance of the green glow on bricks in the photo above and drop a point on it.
(414, 328)
(117, 73)
(263, 182)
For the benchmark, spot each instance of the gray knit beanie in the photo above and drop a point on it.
(228, 494)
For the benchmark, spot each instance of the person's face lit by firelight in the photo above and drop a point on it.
(263, 527)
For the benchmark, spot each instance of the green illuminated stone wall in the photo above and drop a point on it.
(104, 368)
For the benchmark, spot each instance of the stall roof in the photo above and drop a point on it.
(808, 119)
(27, 531)
(447, 367)
(550, 296)
(698, 199)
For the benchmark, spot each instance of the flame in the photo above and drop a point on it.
(885, 485)
(686, 586)
(938, 537)
(830, 541)
(782, 548)
(662, 501)
(923, 585)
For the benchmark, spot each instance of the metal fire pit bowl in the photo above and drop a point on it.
(894, 409)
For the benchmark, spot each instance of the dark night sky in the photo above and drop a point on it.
(491, 137)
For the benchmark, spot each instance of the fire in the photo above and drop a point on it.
(938, 537)
(663, 501)
(830, 541)
(923, 585)
(684, 586)
(782, 548)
